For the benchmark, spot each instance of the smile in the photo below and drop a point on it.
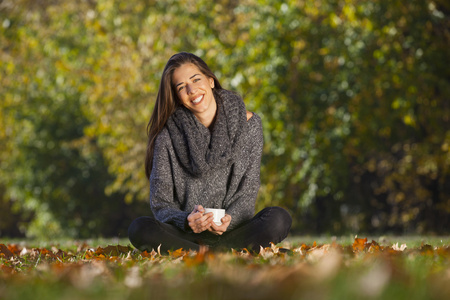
(197, 100)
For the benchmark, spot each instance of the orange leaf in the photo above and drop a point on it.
(14, 249)
(359, 244)
(89, 254)
(373, 247)
(46, 252)
(195, 261)
(177, 253)
(146, 254)
(4, 251)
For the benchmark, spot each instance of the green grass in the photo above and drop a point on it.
(411, 241)
(314, 273)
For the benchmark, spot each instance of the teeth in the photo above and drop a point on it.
(197, 100)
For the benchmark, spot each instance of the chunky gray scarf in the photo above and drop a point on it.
(200, 150)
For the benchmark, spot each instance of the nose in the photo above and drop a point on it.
(190, 89)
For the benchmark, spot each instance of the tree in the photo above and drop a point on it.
(352, 94)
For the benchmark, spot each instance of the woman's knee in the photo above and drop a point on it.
(279, 220)
(138, 230)
(138, 225)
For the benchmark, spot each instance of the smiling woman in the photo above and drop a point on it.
(204, 151)
(195, 92)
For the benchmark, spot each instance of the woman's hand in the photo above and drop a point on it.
(198, 221)
(220, 229)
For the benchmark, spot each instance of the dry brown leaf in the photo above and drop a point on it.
(4, 251)
(113, 250)
(426, 250)
(14, 249)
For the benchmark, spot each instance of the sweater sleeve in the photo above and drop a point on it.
(241, 206)
(164, 207)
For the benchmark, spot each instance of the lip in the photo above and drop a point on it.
(197, 97)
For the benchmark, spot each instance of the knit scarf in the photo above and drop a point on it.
(200, 150)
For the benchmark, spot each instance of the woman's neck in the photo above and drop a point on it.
(207, 118)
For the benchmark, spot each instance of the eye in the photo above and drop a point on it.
(180, 88)
(196, 79)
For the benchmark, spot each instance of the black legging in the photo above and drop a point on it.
(271, 224)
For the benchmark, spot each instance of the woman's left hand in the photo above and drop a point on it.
(220, 229)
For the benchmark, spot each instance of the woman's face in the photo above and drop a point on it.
(194, 90)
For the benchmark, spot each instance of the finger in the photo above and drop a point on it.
(214, 226)
(195, 209)
(216, 232)
(194, 216)
(201, 229)
(225, 220)
(209, 215)
(204, 222)
(197, 222)
(198, 229)
(218, 228)
(200, 208)
(191, 218)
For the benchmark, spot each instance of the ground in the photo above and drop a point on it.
(313, 268)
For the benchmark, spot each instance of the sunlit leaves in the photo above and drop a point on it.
(352, 95)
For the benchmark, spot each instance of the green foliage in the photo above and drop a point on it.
(353, 97)
(52, 168)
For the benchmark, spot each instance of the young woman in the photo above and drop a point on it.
(204, 151)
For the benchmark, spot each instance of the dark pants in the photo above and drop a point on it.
(271, 224)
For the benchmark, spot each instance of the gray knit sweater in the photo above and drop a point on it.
(217, 169)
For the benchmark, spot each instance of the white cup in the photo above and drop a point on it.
(218, 214)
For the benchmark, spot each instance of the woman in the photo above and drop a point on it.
(204, 151)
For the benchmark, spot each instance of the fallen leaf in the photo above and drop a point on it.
(177, 253)
(24, 251)
(317, 253)
(265, 253)
(426, 250)
(198, 259)
(113, 250)
(4, 251)
(397, 248)
(372, 247)
(82, 247)
(14, 249)
(359, 244)
(274, 248)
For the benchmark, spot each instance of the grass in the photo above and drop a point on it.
(333, 268)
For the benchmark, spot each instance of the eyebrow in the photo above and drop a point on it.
(189, 78)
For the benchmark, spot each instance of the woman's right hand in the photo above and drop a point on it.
(198, 221)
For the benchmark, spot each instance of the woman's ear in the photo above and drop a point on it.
(211, 82)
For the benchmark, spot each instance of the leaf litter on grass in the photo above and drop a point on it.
(364, 269)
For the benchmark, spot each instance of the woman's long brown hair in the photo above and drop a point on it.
(167, 100)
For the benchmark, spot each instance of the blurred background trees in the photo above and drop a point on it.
(354, 97)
